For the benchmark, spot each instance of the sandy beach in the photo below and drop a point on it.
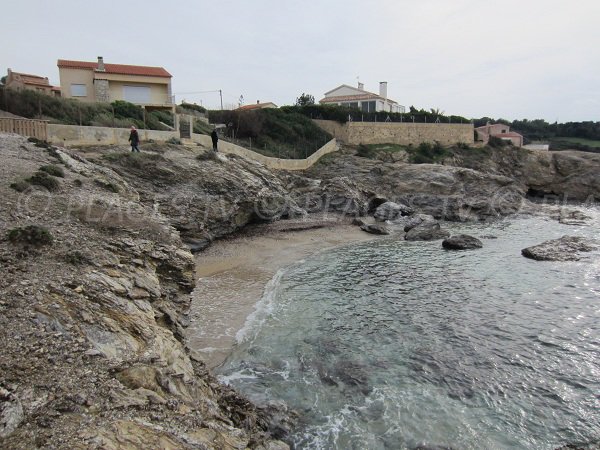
(232, 275)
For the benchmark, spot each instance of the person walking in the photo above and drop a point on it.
(215, 138)
(134, 138)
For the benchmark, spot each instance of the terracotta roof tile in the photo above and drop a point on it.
(120, 69)
(255, 106)
(32, 79)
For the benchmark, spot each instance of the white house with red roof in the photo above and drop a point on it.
(98, 81)
(366, 101)
(257, 105)
(500, 131)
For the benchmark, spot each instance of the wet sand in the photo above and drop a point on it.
(232, 274)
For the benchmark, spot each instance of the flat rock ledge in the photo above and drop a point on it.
(461, 242)
(566, 248)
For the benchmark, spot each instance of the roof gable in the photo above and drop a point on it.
(120, 69)
(345, 87)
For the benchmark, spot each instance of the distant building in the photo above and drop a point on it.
(16, 80)
(257, 105)
(498, 130)
(345, 95)
(149, 87)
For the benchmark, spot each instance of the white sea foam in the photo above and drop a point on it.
(262, 310)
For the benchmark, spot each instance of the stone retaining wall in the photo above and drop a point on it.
(272, 163)
(355, 133)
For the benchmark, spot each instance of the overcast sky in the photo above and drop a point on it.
(511, 59)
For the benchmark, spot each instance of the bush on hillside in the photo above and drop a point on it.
(45, 180)
(30, 235)
(273, 132)
(53, 170)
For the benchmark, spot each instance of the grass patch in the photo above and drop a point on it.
(20, 186)
(30, 235)
(53, 170)
(384, 152)
(44, 179)
(426, 153)
(573, 143)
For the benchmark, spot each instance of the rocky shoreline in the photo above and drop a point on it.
(97, 276)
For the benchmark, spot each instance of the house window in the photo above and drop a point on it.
(78, 90)
(368, 106)
(136, 94)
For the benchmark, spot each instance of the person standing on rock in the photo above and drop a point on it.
(215, 138)
(134, 138)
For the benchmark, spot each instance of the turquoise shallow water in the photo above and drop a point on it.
(392, 344)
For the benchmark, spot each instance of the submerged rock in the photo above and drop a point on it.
(426, 232)
(375, 228)
(566, 248)
(573, 218)
(461, 242)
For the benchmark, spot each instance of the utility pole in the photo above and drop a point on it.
(221, 95)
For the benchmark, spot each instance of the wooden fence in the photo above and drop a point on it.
(25, 127)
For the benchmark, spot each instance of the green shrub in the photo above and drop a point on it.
(44, 179)
(496, 142)
(53, 170)
(77, 258)
(31, 234)
(427, 153)
(193, 107)
(20, 186)
(108, 185)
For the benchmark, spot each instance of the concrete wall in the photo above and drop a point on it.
(272, 163)
(73, 135)
(70, 135)
(355, 133)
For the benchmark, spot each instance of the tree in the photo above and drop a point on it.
(3, 80)
(305, 99)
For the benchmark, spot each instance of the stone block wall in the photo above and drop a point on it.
(101, 90)
(355, 133)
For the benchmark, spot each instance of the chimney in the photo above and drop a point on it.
(258, 102)
(101, 64)
(361, 86)
(383, 89)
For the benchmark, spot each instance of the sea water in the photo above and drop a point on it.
(392, 344)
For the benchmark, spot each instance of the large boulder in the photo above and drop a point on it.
(461, 242)
(414, 221)
(566, 248)
(426, 232)
(391, 211)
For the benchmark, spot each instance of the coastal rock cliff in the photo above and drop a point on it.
(97, 274)
(573, 175)
(95, 289)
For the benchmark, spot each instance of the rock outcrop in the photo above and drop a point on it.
(571, 175)
(566, 248)
(445, 192)
(461, 242)
(94, 295)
